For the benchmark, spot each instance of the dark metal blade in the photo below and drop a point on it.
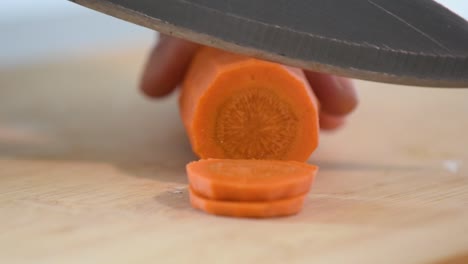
(415, 42)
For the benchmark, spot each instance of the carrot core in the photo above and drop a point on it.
(255, 124)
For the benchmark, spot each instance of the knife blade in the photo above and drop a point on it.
(417, 42)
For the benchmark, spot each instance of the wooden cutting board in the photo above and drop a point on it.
(93, 172)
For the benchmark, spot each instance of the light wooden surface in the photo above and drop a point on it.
(92, 172)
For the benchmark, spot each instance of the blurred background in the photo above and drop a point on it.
(34, 31)
(38, 31)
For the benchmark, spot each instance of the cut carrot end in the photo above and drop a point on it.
(277, 208)
(250, 180)
(237, 107)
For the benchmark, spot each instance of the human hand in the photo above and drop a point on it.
(169, 60)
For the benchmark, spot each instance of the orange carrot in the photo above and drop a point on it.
(237, 107)
(276, 208)
(250, 180)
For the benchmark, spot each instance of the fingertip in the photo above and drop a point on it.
(154, 87)
(151, 83)
(166, 66)
(157, 93)
(337, 95)
(349, 92)
(330, 122)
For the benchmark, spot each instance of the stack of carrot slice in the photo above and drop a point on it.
(249, 188)
(254, 123)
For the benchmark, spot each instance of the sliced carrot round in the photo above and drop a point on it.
(238, 107)
(250, 180)
(265, 209)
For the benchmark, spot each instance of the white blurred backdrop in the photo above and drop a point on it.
(32, 31)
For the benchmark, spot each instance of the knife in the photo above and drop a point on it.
(417, 42)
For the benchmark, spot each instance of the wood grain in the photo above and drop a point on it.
(93, 172)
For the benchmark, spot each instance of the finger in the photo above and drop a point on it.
(337, 95)
(331, 122)
(167, 65)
